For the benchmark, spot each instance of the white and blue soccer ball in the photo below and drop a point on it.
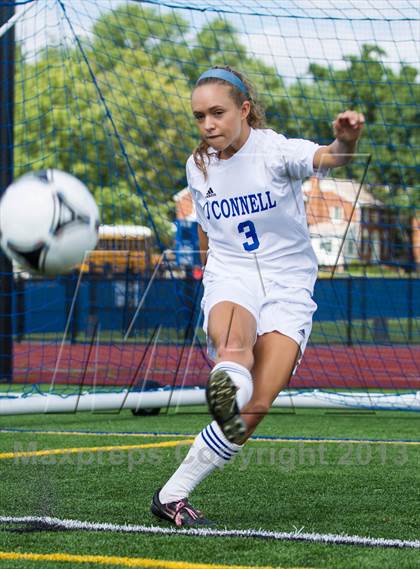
(48, 222)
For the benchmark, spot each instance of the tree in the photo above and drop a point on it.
(387, 98)
(127, 131)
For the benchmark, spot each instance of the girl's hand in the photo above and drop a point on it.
(348, 126)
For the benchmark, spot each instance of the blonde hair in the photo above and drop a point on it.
(255, 118)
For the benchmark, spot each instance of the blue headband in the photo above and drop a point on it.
(226, 76)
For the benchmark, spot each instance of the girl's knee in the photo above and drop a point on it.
(236, 351)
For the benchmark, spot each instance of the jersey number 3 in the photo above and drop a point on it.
(248, 229)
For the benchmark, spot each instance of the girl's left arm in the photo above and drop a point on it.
(204, 245)
(347, 127)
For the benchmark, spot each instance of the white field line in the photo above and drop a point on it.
(58, 524)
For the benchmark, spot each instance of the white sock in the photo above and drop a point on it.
(241, 377)
(210, 450)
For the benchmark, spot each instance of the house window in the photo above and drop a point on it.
(326, 246)
(375, 244)
(375, 216)
(336, 213)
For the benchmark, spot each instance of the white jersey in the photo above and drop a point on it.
(251, 208)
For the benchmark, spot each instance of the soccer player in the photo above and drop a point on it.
(260, 268)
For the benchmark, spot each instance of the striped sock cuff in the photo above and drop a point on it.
(217, 442)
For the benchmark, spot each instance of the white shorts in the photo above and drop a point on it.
(275, 307)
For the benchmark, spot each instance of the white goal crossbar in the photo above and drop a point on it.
(14, 19)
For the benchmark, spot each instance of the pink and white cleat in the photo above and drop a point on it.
(180, 513)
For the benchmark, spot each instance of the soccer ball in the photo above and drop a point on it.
(48, 221)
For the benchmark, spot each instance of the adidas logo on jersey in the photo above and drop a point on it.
(210, 193)
(302, 332)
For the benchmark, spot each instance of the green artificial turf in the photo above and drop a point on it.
(365, 488)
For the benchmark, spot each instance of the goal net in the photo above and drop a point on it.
(102, 90)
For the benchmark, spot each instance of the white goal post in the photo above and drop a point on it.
(18, 404)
